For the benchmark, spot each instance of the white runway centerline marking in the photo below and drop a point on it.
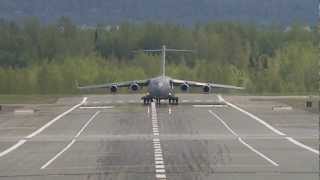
(24, 140)
(242, 141)
(71, 143)
(290, 139)
(160, 169)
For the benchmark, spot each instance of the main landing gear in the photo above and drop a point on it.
(147, 100)
(174, 100)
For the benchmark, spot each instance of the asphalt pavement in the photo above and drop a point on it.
(205, 137)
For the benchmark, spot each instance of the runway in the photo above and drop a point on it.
(116, 137)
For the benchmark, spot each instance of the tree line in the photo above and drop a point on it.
(38, 58)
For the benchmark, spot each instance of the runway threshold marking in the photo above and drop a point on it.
(242, 141)
(24, 140)
(290, 139)
(160, 169)
(71, 143)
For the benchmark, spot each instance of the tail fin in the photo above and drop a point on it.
(163, 60)
(163, 52)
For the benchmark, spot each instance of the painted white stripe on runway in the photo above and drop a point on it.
(158, 155)
(257, 152)
(87, 123)
(208, 105)
(59, 154)
(56, 119)
(24, 140)
(290, 139)
(160, 170)
(96, 107)
(159, 166)
(302, 145)
(15, 146)
(224, 123)
(161, 176)
(158, 158)
(71, 143)
(242, 141)
(158, 162)
(257, 119)
(157, 151)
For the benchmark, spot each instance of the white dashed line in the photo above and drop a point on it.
(242, 141)
(24, 140)
(160, 170)
(290, 139)
(71, 143)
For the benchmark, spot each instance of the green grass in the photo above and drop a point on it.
(29, 99)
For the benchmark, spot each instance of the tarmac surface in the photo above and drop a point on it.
(116, 137)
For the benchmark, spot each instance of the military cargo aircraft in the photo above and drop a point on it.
(161, 87)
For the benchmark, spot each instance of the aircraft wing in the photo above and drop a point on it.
(117, 84)
(178, 82)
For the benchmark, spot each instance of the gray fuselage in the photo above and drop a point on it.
(160, 88)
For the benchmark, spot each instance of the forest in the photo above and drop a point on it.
(39, 58)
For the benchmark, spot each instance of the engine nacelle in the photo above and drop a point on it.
(206, 89)
(134, 87)
(113, 88)
(184, 87)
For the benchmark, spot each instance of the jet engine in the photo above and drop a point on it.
(114, 88)
(184, 87)
(134, 87)
(206, 89)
